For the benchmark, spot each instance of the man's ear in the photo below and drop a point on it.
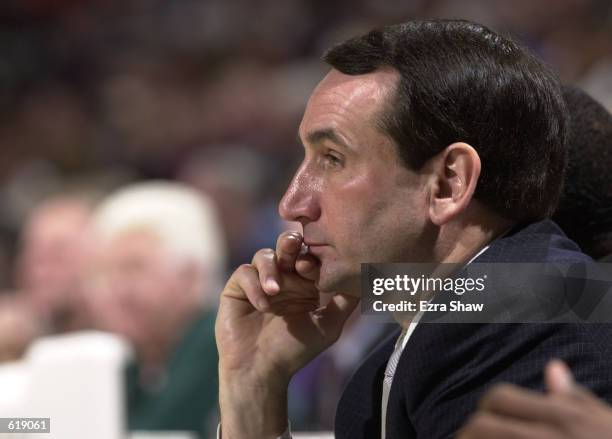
(455, 172)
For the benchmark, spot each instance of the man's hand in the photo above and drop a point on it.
(567, 411)
(269, 325)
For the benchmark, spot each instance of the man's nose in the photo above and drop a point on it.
(301, 200)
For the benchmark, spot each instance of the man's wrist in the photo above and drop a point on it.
(251, 407)
(286, 434)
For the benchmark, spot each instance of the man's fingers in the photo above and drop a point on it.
(487, 426)
(295, 288)
(298, 293)
(513, 401)
(265, 262)
(247, 281)
(559, 378)
(261, 281)
(287, 258)
(307, 266)
(288, 246)
(296, 306)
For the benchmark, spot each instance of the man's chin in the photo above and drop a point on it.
(333, 284)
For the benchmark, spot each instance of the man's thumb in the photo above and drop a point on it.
(559, 378)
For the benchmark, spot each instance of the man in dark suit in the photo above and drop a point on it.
(430, 141)
(446, 367)
(566, 409)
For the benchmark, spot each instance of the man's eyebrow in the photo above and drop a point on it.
(319, 136)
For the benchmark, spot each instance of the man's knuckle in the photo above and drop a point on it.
(262, 255)
(244, 268)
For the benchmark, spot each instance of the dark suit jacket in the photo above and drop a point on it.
(446, 368)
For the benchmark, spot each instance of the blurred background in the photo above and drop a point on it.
(97, 96)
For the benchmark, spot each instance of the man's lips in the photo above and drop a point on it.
(315, 249)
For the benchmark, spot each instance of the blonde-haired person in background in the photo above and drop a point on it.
(160, 256)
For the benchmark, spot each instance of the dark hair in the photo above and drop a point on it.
(462, 82)
(585, 209)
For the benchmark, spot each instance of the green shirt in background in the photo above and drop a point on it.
(186, 400)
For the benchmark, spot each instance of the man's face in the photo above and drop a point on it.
(54, 250)
(137, 287)
(355, 199)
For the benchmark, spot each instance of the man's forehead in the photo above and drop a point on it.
(376, 84)
(350, 94)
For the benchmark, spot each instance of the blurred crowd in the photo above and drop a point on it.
(102, 99)
(95, 93)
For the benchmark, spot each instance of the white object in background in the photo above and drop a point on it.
(77, 380)
(162, 435)
(314, 435)
(13, 388)
(13, 391)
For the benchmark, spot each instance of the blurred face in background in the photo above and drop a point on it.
(55, 247)
(139, 289)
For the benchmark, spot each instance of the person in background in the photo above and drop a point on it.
(585, 209)
(568, 410)
(159, 258)
(54, 249)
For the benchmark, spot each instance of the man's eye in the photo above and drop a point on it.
(332, 160)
